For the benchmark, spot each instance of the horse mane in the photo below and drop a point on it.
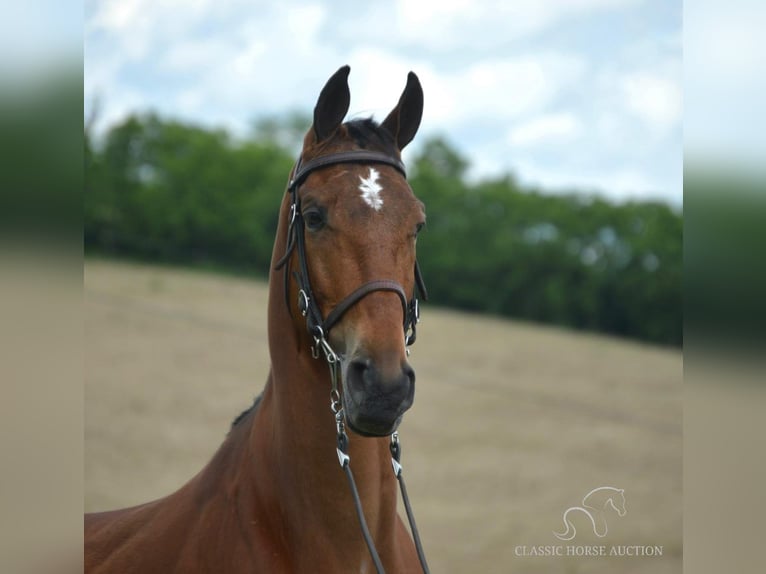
(251, 409)
(367, 134)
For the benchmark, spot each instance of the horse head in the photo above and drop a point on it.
(618, 502)
(358, 222)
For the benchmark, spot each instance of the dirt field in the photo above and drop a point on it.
(512, 424)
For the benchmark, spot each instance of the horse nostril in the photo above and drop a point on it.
(366, 375)
(362, 370)
(409, 373)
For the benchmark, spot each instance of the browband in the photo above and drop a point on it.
(357, 156)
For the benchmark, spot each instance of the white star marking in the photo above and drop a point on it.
(371, 189)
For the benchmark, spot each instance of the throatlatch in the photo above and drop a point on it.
(319, 328)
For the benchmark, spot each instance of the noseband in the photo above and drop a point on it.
(319, 327)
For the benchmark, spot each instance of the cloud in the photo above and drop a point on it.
(498, 88)
(510, 87)
(618, 182)
(193, 55)
(545, 130)
(120, 106)
(656, 99)
(507, 101)
(444, 25)
(140, 27)
(224, 63)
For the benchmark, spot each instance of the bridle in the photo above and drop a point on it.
(319, 327)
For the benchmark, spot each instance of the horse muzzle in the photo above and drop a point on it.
(375, 400)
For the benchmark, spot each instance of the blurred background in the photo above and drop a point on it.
(550, 163)
(549, 158)
(570, 108)
(550, 148)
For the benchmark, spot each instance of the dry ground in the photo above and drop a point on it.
(512, 424)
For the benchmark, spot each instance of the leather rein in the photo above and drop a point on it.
(319, 327)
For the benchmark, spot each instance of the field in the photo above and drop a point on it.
(513, 423)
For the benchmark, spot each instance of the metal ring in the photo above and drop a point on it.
(303, 302)
(329, 353)
(335, 404)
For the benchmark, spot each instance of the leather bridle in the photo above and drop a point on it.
(319, 327)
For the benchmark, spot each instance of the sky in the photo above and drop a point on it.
(563, 94)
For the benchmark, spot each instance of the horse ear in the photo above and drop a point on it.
(332, 104)
(404, 119)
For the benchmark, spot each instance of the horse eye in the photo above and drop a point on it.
(314, 219)
(419, 227)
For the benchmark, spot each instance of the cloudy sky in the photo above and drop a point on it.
(563, 93)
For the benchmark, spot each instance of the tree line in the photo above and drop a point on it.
(163, 190)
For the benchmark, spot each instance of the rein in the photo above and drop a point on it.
(319, 328)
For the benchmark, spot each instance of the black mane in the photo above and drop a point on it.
(369, 134)
(251, 409)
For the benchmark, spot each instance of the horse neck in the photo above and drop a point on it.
(295, 431)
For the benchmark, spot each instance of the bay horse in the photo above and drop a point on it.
(342, 311)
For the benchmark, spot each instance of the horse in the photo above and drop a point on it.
(594, 506)
(342, 311)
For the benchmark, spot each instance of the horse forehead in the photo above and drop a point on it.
(362, 190)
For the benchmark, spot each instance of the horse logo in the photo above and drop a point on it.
(594, 506)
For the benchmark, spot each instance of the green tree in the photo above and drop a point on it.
(171, 191)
